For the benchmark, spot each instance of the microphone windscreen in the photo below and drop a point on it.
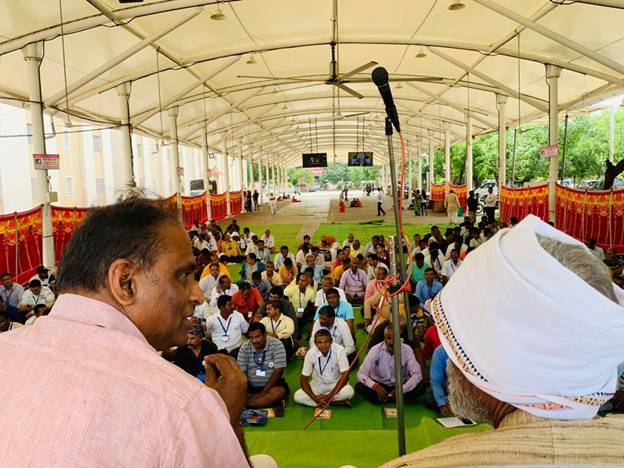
(380, 76)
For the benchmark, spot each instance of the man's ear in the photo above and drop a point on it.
(122, 281)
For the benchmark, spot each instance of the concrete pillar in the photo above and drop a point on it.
(206, 168)
(260, 179)
(226, 177)
(410, 157)
(266, 192)
(501, 101)
(447, 157)
(33, 55)
(252, 180)
(122, 168)
(240, 173)
(469, 181)
(419, 171)
(431, 164)
(552, 77)
(175, 152)
(612, 132)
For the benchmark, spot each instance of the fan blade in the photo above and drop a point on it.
(396, 80)
(291, 78)
(357, 70)
(352, 92)
(353, 115)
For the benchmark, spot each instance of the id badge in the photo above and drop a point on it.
(225, 338)
(260, 373)
(299, 311)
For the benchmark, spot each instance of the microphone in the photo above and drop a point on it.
(380, 78)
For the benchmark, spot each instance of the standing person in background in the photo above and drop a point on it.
(473, 205)
(256, 196)
(273, 203)
(489, 205)
(451, 203)
(424, 201)
(380, 209)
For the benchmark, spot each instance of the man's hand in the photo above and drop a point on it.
(381, 392)
(231, 384)
(445, 411)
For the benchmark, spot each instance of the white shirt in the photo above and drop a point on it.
(46, 296)
(490, 201)
(332, 365)
(283, 328)
(269, 241)
(207, 284)
(340, 331)
(251, 248)
(462, 249)
(598, 253)
(44, 282)
(203, 311)
(450, 268)
(437, 265)
(14, 295)
(379, 196)
(321, 299)
(214, 295)
(228, 333)
(300, 257)
(278, 261)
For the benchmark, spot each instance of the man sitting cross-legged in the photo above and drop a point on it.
(337, 327)
(279, 326)
(354, 281)
(328, 365)
(342, 308)
(376, 380)
(227, 327)
(263, 360)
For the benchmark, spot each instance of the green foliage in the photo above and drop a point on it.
(300, 173)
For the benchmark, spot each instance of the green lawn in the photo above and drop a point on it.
(360, 436)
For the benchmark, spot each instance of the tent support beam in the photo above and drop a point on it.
(552, 77)
(175, 152)
(501, 102)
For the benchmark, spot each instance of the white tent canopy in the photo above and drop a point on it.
(261, 79)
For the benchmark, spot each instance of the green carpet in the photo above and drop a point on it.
(361, 436)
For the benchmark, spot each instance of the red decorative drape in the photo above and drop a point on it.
(218, 208)
(20, 238)
(592, 215)
(65, 221)
(194, 209)
(437, 192)
(236, 203)
(462, 194)
(521, 202)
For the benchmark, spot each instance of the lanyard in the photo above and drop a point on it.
(301, 298)
(321, 368)
(225, 329)
(259, 364)
(273, 326)
(36, 298)
(8, 298)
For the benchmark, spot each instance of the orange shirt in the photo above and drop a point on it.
(248, 306)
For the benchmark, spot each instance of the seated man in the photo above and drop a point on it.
(230, 250)
(338, 328)
(250, 266)
(190, 357)
(11, 295)
(261, 285)
(301, 296)
(46, 278)
(451, 266)
(247, 300)
(342, 309)
(354, 282)
(283, 254)
(301, 255)
(328, 366)
(270, 275)
(327, 283)
(224, 287)
(435, 398)
(39, 311)
(376, 380)
(36, 294)
(310, 262)
(227, 327)
(419, 267)
(263, 253)
(252, 245)
(338, 271)
(356, 248)
(348, 241)
(543, 410)
(223, 269)
(279, 326)
(6, 324)
(288, 271)
(268, 239)
(209, 282)
(263, 360)
(427, 288)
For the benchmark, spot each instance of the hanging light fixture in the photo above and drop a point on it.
(217, 15)
(456, 5)
(421, 53)
(251, 60)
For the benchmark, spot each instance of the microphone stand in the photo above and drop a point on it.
(397, 249)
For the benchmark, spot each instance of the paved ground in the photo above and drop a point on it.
(322, 207)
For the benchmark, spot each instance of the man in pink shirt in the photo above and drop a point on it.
(86, 386)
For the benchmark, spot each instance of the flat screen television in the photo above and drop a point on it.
(314, 159)
(360, 158)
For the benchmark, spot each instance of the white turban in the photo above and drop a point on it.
(528, 331)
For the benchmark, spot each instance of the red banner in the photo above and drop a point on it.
(65, 221)
(520, 202)
(236, 203)
(218, 208)
(20, 238)
(462, 193)
(194, 209)
(592, 215)
(438, 192)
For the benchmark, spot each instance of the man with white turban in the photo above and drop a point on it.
(534, 331)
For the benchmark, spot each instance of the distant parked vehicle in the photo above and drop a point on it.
(482, 191)
(589, 184)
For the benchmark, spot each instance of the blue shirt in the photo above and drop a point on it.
(437, 375)
(424, 292)
(343, 311)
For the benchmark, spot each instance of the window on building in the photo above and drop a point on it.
(66, 140)
(69, 186)
(29, 133)
(97, 143)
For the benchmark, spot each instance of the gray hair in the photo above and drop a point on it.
(582, 263)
